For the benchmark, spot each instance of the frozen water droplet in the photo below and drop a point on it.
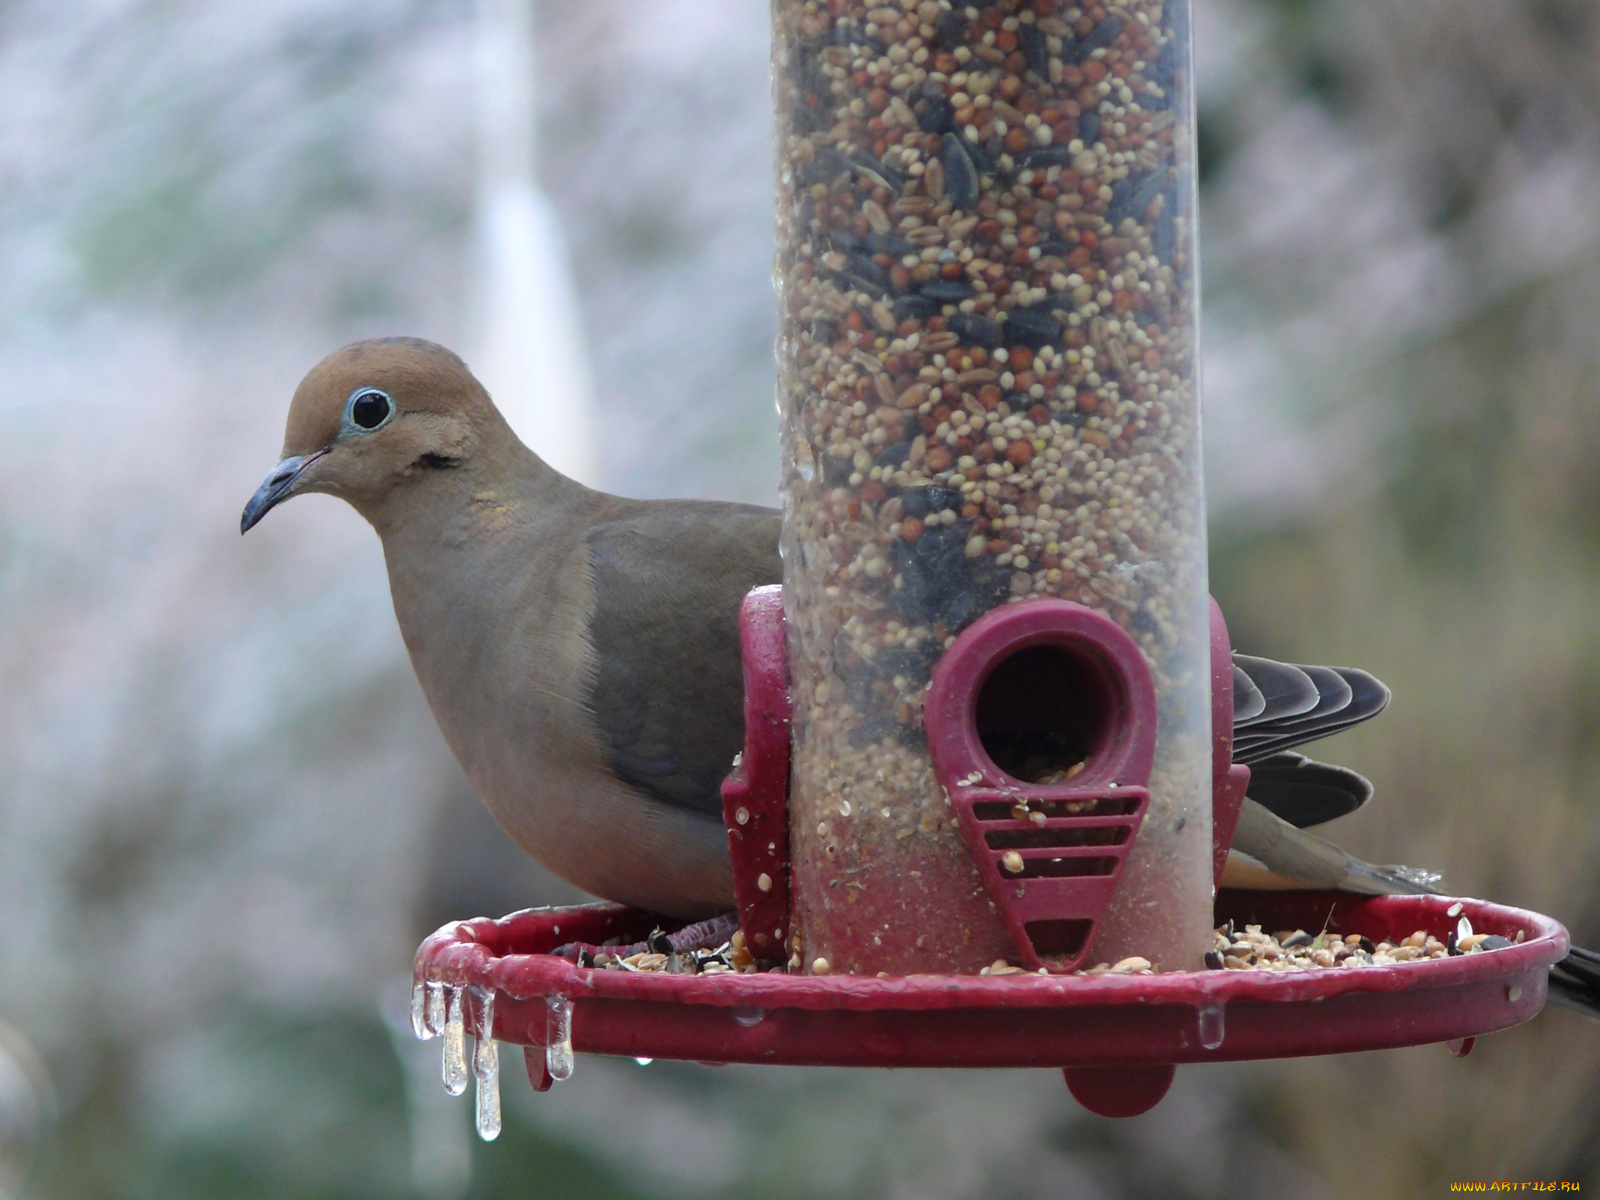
(558, 1037)
(486, 1068)
(644, 1062)
(1424, 880)
(419, 1011)
(1212, 1029)
(749, 1015)
(435, 1008)
(455, 1045)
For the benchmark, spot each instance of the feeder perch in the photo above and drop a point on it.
(1117, 1037)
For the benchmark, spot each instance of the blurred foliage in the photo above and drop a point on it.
(1462, 569)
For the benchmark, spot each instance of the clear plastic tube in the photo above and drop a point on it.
(988, 392)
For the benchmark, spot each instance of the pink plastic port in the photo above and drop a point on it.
(1041, 721)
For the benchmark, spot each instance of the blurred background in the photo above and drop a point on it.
(226, 817)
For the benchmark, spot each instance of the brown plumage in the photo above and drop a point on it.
(579, 650)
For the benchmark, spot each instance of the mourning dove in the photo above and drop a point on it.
(580, 651)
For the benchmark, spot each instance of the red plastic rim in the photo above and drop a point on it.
(1014, 1020)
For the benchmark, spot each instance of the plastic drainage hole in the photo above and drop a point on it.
(1025, 839)
(1055, 810)
(1056, 868)
(1061, 939)
(1043, 712)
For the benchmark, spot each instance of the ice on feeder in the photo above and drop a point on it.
(749, 1015)
(486, 1064)
(558, 1037)
(455, 1048)
(485, 1068)
(1212, 1026)
(419, 1011)
(435, 1008)
(484, 1029)
(1425, 881)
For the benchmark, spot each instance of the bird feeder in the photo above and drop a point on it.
(989, 714)
(1117, 1037)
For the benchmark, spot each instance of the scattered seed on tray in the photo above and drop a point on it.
(1232, 949)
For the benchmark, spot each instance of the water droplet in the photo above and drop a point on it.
(419, 1011)
(1211, 1026)
(644, 1062)
(435, 1008)
(455, 1045)
(749, 1015)
(558, 1037)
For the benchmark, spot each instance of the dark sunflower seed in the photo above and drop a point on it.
(948, 291)
(1034, 50)
(1041, 157)
(887, 243)
(914, 308)
(960, 175)
(1031, 327)
(976, 330)
(1101, 36)
(1131, 196)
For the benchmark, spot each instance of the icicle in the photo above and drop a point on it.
(455, 1047)
(558, 1037)
(486, 1066)
(419, 1011)
(1212, 1027)
(435, 1008)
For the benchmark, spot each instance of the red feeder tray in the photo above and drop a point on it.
(1116, 1036)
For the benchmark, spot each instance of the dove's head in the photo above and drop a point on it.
(376, 417)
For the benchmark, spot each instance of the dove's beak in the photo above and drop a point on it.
(279, 485)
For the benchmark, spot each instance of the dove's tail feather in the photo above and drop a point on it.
(1277, 706)
(1296, 704)
(1266, 843)
(1575, 982)
(1271, 852)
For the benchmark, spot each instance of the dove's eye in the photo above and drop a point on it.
(370, 408)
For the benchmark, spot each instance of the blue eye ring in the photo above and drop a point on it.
(368, 408)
